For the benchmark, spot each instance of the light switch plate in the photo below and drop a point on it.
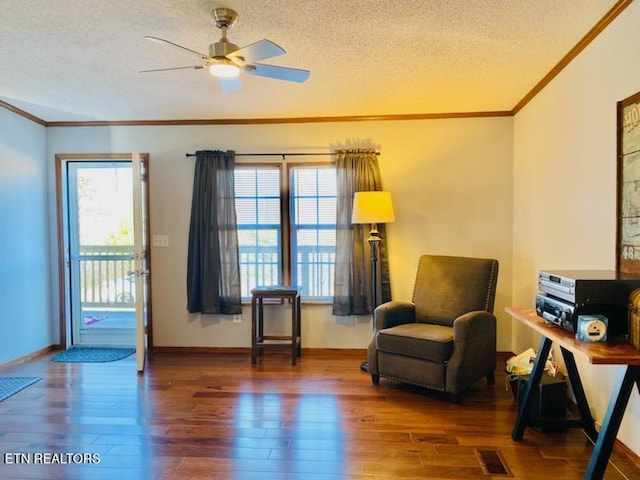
(159, 240)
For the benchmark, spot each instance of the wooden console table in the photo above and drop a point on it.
(617, 352)
(258, 339)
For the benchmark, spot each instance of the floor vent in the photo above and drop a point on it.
(493, 463)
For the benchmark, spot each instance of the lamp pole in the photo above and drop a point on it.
(372, 207)
(374, 243)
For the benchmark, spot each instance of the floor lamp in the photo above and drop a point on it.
(372, 208)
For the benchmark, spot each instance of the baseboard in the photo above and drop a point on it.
(247, 351)
(501, 357)
(618, 446)
(31, 356)
(200, 350)
(627, 452)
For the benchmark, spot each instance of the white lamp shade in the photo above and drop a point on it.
(372, 207)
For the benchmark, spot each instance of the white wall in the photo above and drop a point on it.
(451, 182)
(565, 182)
(25, 316)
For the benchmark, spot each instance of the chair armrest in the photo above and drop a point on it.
(473, 325)
(387, 315)
(394, 313)
(474, 350)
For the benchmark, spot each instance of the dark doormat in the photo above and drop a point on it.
(11, 385)
(93, 354)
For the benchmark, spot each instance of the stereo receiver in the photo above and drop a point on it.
(564, 295)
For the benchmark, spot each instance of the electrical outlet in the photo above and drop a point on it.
(237, 319)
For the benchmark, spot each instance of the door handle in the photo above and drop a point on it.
(138, 273)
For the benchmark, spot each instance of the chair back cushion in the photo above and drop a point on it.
(447, 287)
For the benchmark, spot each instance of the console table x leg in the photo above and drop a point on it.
(611, 422)
(532, 386)
(578, 391)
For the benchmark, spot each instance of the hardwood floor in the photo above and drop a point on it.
(214, 416)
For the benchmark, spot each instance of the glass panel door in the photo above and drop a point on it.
(101, 247)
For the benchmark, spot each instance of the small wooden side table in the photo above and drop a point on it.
(258, 339)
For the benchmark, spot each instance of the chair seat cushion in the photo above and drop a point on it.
(419, 340)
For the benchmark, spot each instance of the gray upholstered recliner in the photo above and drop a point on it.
(445, 339)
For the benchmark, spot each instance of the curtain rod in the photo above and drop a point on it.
(283, 155)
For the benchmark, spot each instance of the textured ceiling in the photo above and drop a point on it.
(76, 60)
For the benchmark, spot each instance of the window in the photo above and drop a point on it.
(259, 226)
(287, 227)
(313, 230)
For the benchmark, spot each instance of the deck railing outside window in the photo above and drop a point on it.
(105, 281)
(314, 267)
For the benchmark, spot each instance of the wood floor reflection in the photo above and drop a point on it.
(214, 416)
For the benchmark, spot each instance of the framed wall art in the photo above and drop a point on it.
(628, 205)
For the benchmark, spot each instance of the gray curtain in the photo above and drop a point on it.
(213, 270)
(357, 171)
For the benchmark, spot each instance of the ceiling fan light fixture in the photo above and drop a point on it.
(224, 70)
(225, 60)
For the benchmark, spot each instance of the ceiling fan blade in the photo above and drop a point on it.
(230, 84)
(162, 40)
(258, 51)
(279, 73)
(195, 67)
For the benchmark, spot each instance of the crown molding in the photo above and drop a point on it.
(270, 121)
(22, 113)
(591, 35)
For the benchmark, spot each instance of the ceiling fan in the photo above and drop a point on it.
(226, 60)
